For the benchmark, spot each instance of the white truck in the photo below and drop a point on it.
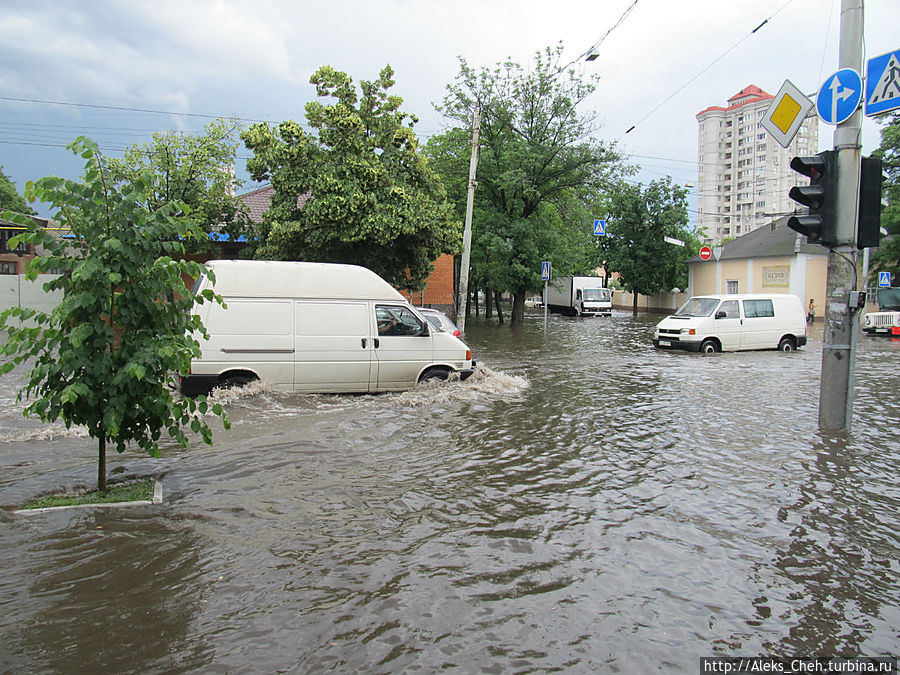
(579, 296)
(886, 321)
(316, 327)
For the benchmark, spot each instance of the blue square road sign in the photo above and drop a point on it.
(883, 83)
(599, 227)
(884, 279)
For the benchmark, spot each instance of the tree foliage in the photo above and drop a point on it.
(537, 155)
(639, 220)
(196, 170)
(370, 197)
(10, 199)
(886, 257)
(107, 355)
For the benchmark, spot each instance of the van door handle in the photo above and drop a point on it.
(363, 343)
(377, 343)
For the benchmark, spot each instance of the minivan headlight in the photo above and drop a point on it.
(688, 331)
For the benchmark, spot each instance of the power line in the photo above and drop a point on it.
(714, 62)
(599, 42)
(120, 108)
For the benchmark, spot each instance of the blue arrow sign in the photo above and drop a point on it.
(599, 227)
(545, 270)
(883, 83)
(839, 96)
(884, 279)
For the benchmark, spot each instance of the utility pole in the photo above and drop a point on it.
(841, 324)
(467, 232)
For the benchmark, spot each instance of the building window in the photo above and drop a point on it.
(7, 268)
(731, 287)
(5, 236)
(761, 203)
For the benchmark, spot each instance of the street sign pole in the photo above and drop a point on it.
(546, 273)
(546, 283)
(841, 328)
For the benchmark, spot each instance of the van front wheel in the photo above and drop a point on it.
(709, 347)
(435, 374)
(786, 345)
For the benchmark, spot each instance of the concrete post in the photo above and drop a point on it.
(841, 327)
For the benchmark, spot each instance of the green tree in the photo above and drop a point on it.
(106, 356)
(196, 170)
(10, 199)
(639, 220)
(536, 152)
(371, 200)
(886, 258)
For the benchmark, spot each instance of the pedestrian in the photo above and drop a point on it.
(811, 312)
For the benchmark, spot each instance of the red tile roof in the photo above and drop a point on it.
(260, 199)
(749, 94)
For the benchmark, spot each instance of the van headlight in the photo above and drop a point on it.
(688, 331)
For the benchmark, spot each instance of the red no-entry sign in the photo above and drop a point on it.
(706, 253)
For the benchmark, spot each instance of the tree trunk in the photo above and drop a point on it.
(475, 300)
(497, 305)
(634, 298)
(101, 461)
(488, 305)
(518, 310)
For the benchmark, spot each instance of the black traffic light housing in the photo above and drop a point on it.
(868, 231)
(819, 224)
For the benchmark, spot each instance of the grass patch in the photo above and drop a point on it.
(115, 492)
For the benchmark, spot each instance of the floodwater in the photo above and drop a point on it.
(584, 503)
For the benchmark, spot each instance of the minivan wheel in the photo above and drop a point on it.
(709, 347)
(435, 374)
(786, 345)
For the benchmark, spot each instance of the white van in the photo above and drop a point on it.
(316, 327)
(715, 323)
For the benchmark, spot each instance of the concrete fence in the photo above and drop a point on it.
(662, 303)
(17, 291)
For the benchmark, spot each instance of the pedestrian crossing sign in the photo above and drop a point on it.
(599, 227)
(884, 279)
(883, 83)
(545, 270)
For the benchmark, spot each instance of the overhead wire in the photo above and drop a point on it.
(695, 77)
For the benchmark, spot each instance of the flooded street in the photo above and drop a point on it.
(584, 503)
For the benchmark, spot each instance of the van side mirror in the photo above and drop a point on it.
(721, 314)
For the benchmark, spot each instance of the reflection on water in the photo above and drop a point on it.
(583, 503)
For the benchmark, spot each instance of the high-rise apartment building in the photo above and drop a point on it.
(744, 175)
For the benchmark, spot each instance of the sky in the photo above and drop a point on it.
(118, 70)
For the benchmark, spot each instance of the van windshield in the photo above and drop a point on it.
(888, 299)
(596, 295)
(698, 307)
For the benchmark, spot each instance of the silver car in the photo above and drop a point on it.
(439, 320)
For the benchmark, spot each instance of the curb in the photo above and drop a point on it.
(157, 499)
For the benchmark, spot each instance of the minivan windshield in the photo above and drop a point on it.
(698, 307)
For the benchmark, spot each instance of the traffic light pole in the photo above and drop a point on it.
(841, 325)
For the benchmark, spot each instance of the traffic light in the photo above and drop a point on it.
(820, 223)
(868, 231)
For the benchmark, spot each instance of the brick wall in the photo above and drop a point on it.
(438, 291)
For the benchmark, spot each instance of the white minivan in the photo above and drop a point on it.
(714, 323)
(315, 327)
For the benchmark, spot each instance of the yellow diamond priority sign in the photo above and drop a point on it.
(786, 113)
